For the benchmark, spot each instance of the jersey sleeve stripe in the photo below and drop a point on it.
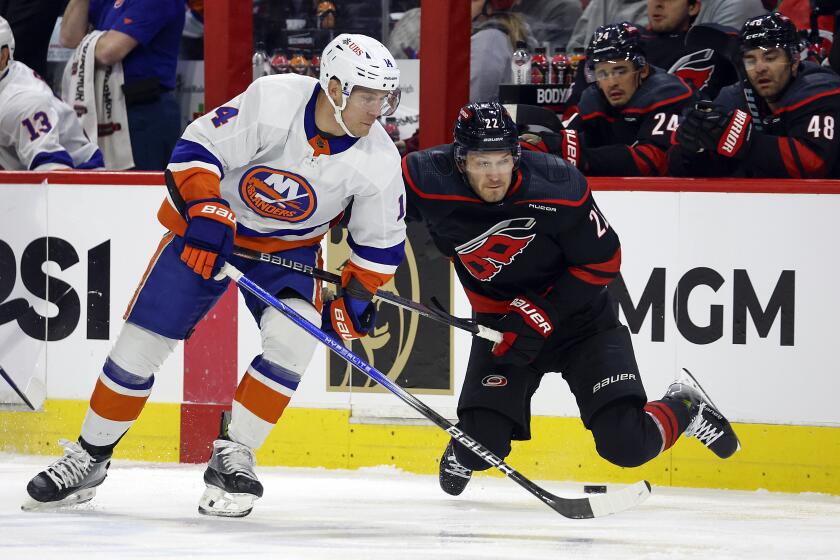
(372, 266)
(96, 161)
(187, 151)
(388, 256)
(370, 279)
(655, 157)
(807, 100)
(588, 277)
(60, 157)
(799, 160)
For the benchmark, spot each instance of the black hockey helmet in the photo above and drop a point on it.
(616, 41)
(485, 127)
(770, 31)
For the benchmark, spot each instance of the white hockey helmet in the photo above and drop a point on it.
(359, 60)
(7, 39)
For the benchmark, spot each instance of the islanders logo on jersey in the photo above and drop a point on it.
(278, 194)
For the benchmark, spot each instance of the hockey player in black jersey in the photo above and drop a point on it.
(779, 122)
(664, 44)
(625, 119)
(534, 254)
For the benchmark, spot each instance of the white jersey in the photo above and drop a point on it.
(287, 184)
(37, 129)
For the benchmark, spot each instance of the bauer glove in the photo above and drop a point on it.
(527, 325)
(351, 315)
(208, 241)
(566, 144)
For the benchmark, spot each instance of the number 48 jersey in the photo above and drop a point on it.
(287, 184)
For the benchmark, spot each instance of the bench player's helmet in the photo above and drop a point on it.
(359, 60)
(770, 31)
(485, 127)
(616, 41)
(7, 39)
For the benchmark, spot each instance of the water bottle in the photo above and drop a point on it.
(560, 67)
(539, 66)
(521, 64)
(259, 62)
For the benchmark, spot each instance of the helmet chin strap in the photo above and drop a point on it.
(337, 114)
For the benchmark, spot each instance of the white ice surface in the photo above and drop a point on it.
(146, 510)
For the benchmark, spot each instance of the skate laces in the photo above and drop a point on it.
(454, 467)
(71, 468)
(702, 429)
(238, 458)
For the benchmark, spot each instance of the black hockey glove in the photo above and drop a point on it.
(707, 127)
(528, 323)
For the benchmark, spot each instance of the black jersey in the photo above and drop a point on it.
(796, 139)
(632, 141)
(703, 69)
(547, 236)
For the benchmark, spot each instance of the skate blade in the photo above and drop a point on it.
(79, 497)
(217, 502)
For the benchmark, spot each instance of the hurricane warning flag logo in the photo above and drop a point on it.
(485, 255)
(278, 194)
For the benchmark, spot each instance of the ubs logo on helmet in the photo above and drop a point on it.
(278, 194)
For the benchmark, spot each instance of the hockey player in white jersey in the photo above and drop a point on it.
(272, 169)
(38, 131)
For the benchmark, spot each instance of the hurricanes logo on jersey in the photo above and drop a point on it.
(278, 194)
(695, 68)
(485, 255)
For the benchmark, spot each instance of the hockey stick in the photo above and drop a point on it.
(423, 310)
(435, 314)
(14, 386)
(595, 505)
(724, 40)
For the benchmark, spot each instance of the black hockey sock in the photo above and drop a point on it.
(99, 452)
(625, 435)
(489, 428)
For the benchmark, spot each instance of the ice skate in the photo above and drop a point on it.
(232, 485)
(707, 423)
(70, 480)
(453, 476)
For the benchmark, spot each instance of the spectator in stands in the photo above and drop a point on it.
(627, 116)
(732, 13)
(496, 30)
(145, 36)
(664, 42)
(551, 21)
(32, 22)
(790, 130)
(604, 12)
(38, 131)
(404, 40)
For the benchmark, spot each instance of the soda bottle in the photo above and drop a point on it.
(391, 128)
(521, 64)
(299, 65)
(560, 67)
(279, 63)
(259, 66)
(539, 67)
(577, 57)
